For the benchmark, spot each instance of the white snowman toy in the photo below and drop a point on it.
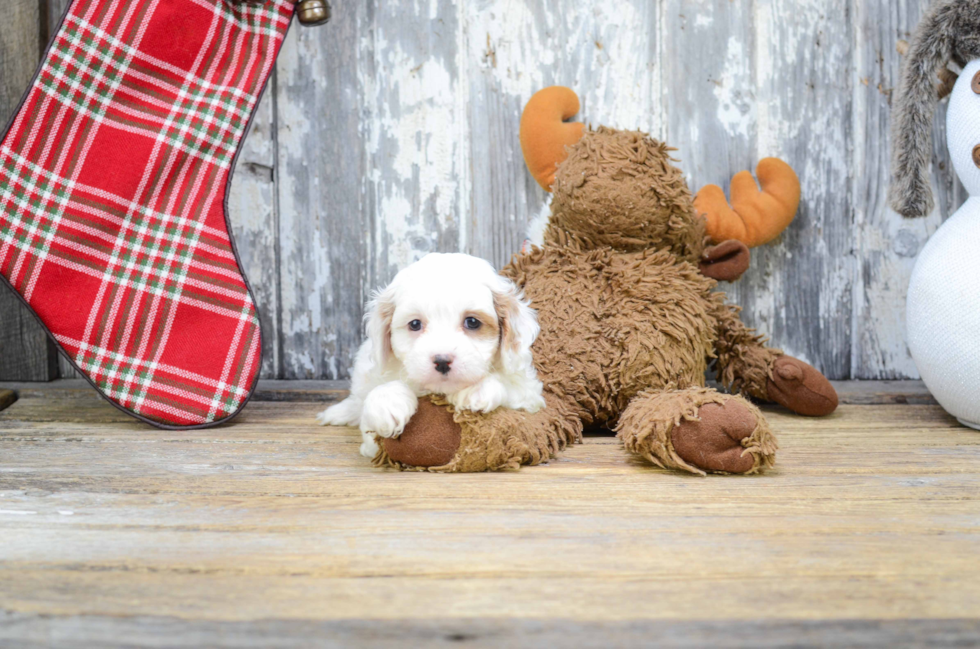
(943, 308)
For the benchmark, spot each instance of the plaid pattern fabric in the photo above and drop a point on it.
(112, 184)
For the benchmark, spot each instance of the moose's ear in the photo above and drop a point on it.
(545, 133)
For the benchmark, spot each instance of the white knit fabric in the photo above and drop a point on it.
(943, 313)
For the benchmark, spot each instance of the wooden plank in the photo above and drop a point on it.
(869, 515)
(252, 205)
(606, 52)
(325, 228)
(109, 632)
(418, 153)
(850, 392)
(51, 13)
(803, 102)
(709, 90)
(883, 392)
(7, 398)
(888, 243)
(710, 98)
(26, 353)
(414, 111)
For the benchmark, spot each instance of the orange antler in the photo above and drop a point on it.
(754, 217)
(545, 133)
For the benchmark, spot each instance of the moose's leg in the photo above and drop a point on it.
(440, 438)
(745, 365)
(698, 430)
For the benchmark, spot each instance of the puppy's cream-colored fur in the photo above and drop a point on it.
(450, 325)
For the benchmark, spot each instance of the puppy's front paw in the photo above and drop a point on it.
(369, 446)
(486, 396)
(345, 413)
(533, 404)
(387, 409)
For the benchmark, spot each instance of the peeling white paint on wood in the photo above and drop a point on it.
(392, 132)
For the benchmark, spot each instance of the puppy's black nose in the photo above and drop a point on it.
(443, 363)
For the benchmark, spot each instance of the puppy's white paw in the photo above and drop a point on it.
(369, 446)
(387, 409)
(532, 404)
(486, 396)
(345, 413)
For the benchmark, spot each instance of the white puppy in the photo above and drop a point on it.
(450, 325)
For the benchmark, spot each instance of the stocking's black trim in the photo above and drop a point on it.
(231, 238)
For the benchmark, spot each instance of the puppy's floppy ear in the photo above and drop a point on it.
(518, 327)
(380, 311)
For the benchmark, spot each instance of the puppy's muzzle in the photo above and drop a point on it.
(443, 363)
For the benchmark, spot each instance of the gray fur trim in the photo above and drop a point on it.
(950, 30)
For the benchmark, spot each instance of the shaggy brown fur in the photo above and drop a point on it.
(628, 326)
(505, 439)
(649, 427)
(619, 189)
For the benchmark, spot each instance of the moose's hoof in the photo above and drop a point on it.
(801, 388)
(431, 437)
(726, 261)
(714, 441)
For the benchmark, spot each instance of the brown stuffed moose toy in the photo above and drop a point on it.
(624, 284)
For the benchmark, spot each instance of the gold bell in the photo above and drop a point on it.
(313, 12)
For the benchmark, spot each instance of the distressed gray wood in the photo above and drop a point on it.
(71, 631)
(26, 353)
(392, 132)
(886, 243)
(117, 535)
(606, 52)
(52, 12)
(850, 392)
(325, 231)
(803, 55)
(746, 81)
(253, 212)
(709, 97)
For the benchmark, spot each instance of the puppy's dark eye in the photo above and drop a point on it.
(472, 323)
(415, 325)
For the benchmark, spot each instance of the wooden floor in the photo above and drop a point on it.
(272, 531)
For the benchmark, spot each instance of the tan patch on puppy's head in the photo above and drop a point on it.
(507, 308)
(489, 329)
(379, 318)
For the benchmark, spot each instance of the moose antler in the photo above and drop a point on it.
(545, 133)
(754, 217)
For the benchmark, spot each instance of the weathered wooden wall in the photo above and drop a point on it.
(392, 132)
(26, 353)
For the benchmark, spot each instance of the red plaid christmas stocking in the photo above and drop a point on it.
(113, 179)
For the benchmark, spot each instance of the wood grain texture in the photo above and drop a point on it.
(887, 244)
(849, 392)
(253, 211)
(110, 633)
(325, 233)
(26, 353)
(870, 516)
(392, 132)
(727, 83)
